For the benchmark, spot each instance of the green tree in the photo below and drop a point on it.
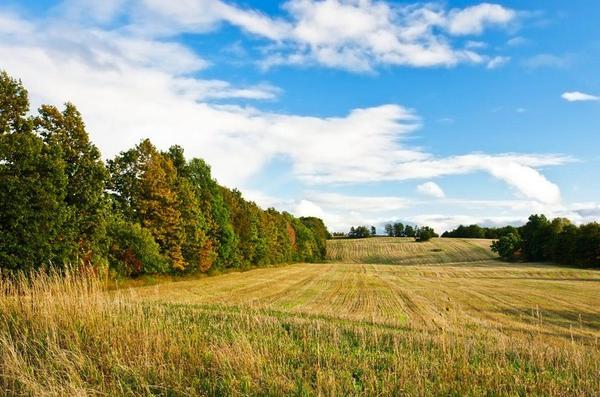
(145, 186)
(389, 230)
(132, 250)
(86, 177)
(32, 188)
(508, 247)
(536, 235)
(221, 246)
(398, 229)
(320, 232)
(425, 233)
(409, 231)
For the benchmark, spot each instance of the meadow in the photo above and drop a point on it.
(433, 326)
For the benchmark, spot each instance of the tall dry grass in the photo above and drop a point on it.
(64, 335)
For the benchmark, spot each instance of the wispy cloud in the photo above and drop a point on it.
(548, 61)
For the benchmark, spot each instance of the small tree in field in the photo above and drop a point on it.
(409, 231)
(389, 230)
(508, 246)
(398, 229)
(425, 233)
(373, 231)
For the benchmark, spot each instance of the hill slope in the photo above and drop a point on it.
(396, 250)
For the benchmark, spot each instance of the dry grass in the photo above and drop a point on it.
(309, 329)
(397, 250)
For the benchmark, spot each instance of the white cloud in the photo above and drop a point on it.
(576, 96)
(355, 35)
(308, 208)
(359, 35)
(431, 189)
(474, 19)
(129, 87)
(497, 62)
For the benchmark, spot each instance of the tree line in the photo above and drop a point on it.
(557, 240)
(476, 231)
(398, 229)
(423, 233)
(145, 211)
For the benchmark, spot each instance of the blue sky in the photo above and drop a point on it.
(357, 111)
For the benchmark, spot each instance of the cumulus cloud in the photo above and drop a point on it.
(431, 189)
(474, 19)
(576, 96)
(355, 35)
(359, 35)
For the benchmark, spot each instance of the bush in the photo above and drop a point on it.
(425, 233)
(132, 250)
(508, 246)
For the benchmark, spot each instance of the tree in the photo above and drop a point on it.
(132, 250)
(398, 229)
(320, 231)
(508, 247)
(196, 246)
(536, 235)
(587, 246)
(373, 231)
(222, 243)
(409, 231)
(86, 177)
(389, 230)
(425, 233)
(32, 188)
(145, 182)
(359, 232)
(14, 105)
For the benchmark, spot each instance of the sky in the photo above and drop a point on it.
(355, 111)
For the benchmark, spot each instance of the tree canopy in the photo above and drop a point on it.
(144, 211)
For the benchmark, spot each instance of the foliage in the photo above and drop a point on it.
(359, 232)
(425, 233)
(33, 188)
(508, 247)
(146, 212)
(132, 250)
(476, 231)
(86, 177)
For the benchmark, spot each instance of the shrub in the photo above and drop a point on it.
(508, 246)
(132, 250)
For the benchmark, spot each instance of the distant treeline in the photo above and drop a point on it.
(423, 233)
(145, 211)
(400, 230)
(476, 231)
(557, 240)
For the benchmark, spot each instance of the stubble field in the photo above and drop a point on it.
(443, 328)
